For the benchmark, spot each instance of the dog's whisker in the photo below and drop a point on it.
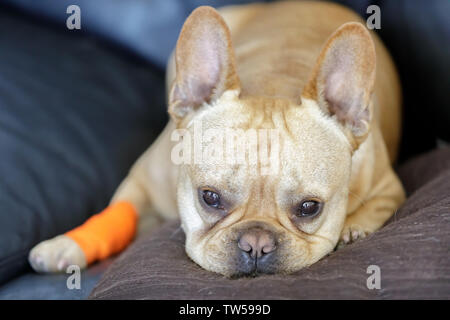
(174, 233)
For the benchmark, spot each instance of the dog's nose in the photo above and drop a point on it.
(257, 243)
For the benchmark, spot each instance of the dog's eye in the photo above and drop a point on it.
(309, 208)
(212, 199)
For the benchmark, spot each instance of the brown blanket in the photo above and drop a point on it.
(411, 250)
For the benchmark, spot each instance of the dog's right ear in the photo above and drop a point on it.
(205, 63)
(343, 79)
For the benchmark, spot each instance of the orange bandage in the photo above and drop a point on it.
(106, 233)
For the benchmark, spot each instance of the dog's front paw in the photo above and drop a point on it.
(56, 254)
(351, 234)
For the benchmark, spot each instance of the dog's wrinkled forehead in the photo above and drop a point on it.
(267, 138)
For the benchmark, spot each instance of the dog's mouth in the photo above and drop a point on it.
(246, 263)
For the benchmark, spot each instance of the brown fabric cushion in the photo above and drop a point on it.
(422, 169)
(412, 251)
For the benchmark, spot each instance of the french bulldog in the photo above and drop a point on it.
(325, 86)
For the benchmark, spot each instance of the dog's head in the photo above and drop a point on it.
(282, 207)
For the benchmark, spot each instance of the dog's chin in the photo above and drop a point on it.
(234, 267)
(236, 272)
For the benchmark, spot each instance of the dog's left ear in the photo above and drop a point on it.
(205, 63)
(343, 79)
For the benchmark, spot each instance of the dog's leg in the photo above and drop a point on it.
(385, 198)
(101, 236)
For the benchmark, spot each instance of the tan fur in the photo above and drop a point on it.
(271, 64)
